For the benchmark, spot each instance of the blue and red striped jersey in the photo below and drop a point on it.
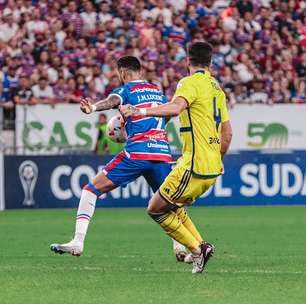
(147, 138)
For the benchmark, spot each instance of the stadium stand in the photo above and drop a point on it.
(58, 51)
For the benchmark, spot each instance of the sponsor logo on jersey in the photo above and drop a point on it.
(151, 135)
(158, 146)
(144, 87)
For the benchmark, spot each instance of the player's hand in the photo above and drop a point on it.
(86, 105)
(222, 169)
(128, 111)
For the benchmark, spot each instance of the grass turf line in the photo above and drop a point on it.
(260, 258)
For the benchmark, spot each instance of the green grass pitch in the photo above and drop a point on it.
(260, 258)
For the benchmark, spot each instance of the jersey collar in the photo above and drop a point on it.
(203, 72)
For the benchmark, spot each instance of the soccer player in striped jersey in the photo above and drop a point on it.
(206, 134)
(147, 152)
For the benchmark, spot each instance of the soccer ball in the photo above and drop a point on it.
(116, 129)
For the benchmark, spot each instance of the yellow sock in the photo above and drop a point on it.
(173, 226)
(187, 222)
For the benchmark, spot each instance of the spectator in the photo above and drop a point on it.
(9, 83)
(161, 9)
(104, 14)
(258, 94)
(73, 93)
(250, 24)
(177, 32)
(35, 25)
(75, 44)
(43, 91)
(205, 8)
(9, 28)
(301, 93)
(243, 69)
(73, 18)
(301, 67)
(114, 82)
(89, 18)
(23, 94)
(244, 6)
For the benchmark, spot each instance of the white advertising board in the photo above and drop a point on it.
(269, 127)
(46, 129)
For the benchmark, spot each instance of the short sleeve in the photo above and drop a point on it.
(165, 99)
(120, 93)
(224, 112)
(186, 89)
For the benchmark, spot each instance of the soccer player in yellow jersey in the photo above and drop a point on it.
(206, 135)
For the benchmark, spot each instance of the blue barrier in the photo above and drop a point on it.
(250, 178)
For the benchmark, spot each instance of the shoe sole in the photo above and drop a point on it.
(55, 249)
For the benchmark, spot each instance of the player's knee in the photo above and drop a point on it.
(153, 206)
(154, 213)
(151, 209)
(158, 205)
(93, 189)
(102, 183)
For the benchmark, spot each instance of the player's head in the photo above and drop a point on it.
(200, 54)
(129, 68)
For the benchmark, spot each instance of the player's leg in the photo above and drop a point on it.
(155, 175)
(181, 188)
(114, 174)
(180, 251)
(187, 222)
(96, 187)
(162, 213)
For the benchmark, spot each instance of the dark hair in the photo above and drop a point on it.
(130, 63)
(43, 78)
(200, 54)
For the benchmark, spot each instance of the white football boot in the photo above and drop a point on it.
(200, 260)
(181, 253)
(74, 247)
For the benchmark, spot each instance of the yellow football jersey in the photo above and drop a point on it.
(200, 124)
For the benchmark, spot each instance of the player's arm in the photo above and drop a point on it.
(184, 96)
(226, 137)
(173, 108)
(88, 106)
(226, 128)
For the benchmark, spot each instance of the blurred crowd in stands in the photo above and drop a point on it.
(59, 51)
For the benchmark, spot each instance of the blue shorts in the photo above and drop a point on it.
(122, 170)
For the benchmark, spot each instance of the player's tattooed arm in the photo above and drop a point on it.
(170, 109)
(88, 106)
